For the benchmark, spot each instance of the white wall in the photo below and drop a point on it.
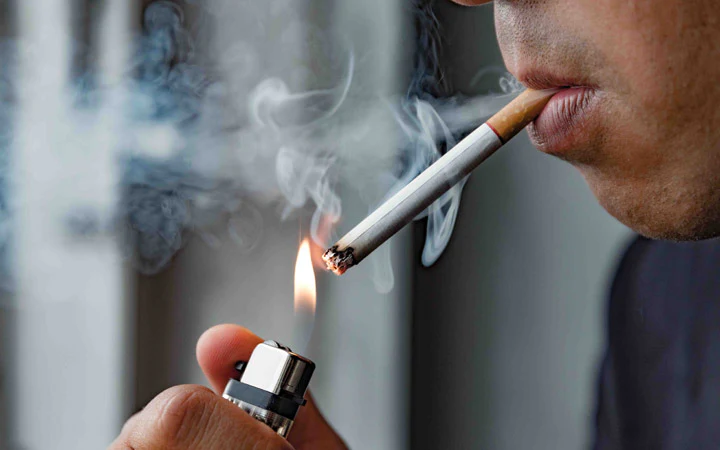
(69, 380)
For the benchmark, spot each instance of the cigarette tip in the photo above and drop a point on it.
(338, 262)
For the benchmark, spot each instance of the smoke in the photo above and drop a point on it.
(433, 122)
(215, 140)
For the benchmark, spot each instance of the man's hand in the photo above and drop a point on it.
(194, 417)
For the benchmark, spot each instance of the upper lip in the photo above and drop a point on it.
(536, 78)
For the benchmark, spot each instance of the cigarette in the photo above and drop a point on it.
(437, 179)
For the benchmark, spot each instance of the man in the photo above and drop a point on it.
(639, 121)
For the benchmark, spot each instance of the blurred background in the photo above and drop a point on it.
(495, 346)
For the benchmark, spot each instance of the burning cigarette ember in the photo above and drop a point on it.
(437, 179)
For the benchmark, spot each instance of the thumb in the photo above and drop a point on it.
(221, 347)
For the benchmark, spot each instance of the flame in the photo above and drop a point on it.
(305, 289)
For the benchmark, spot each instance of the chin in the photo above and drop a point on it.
(663, 212)
(682, 231)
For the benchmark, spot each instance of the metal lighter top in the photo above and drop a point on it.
(271, 385)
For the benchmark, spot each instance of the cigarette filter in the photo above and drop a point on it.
(271, 385)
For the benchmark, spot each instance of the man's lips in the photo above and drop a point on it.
(558, 128)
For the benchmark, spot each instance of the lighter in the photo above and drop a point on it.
(271, 385)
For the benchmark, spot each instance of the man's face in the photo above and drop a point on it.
(642, 126)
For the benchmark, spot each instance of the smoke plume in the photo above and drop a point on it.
(200, 148)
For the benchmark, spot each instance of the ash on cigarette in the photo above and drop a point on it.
(337, 261)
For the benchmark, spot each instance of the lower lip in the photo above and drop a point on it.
(557, 127)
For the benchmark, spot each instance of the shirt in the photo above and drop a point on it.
(659, 382)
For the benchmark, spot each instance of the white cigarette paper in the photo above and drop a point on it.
(437, 179)
(410, 201)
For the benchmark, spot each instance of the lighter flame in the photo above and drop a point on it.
(305, 290)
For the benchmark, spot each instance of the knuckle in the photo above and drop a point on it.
(193, 417)
(182, 415)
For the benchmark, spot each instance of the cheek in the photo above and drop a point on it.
(661, 55)
(631, 42)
